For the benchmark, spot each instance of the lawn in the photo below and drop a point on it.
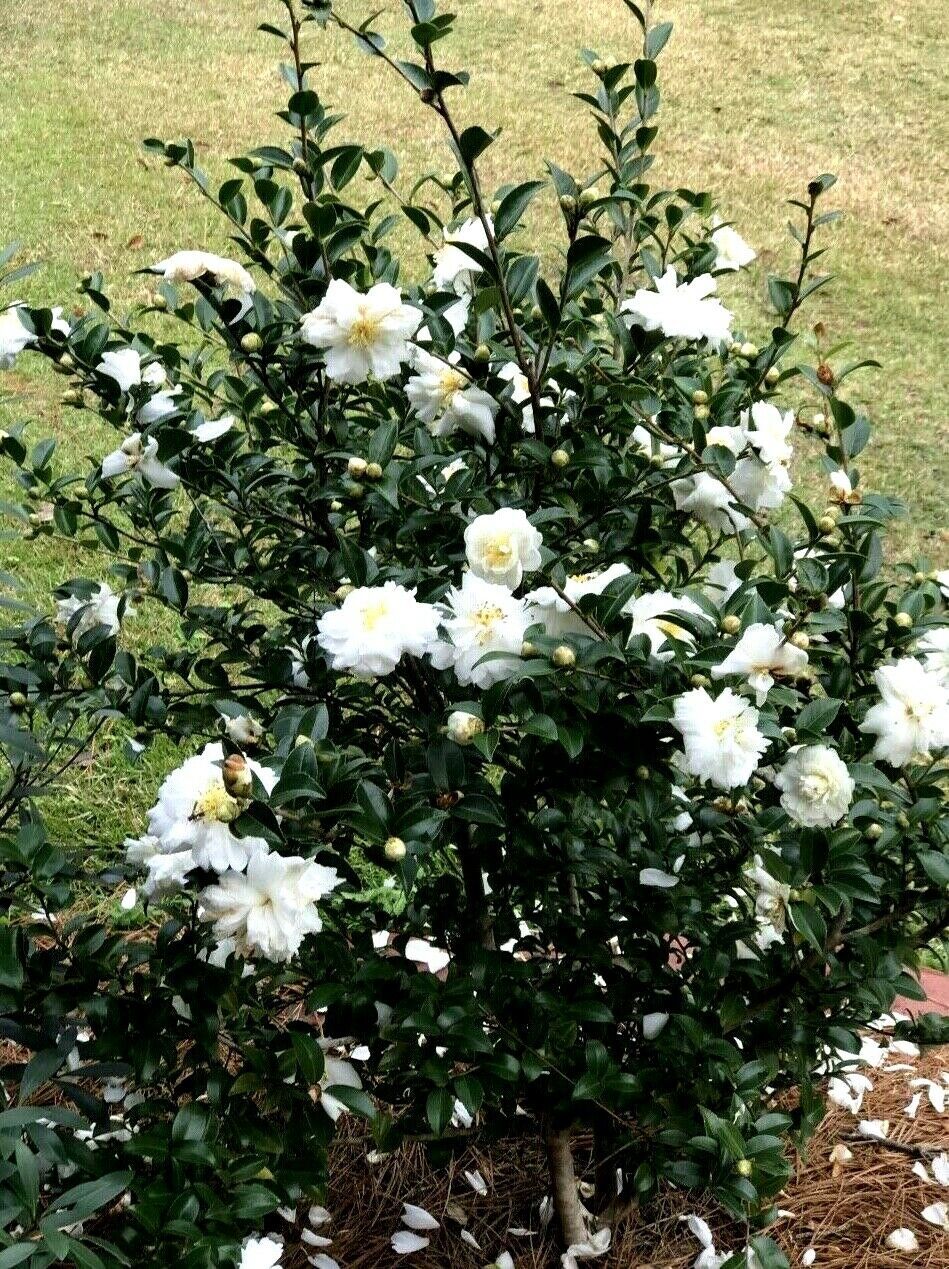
(757, 99)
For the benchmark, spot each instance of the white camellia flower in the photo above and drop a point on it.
(189, 266)
(194, 812)
(816, 787)
(732, 252)
(167, 872)
(549, 608)
(705, 497)
(124, 365)
(446, 400)
(161, 405)
(503, 546)
(681, 310)
(362, 334)
(260, 1253)
(720, 735)
(141, 457)
(101, 609)
(768, 430)
(912, 718)
(653, 616)
(14, 336)
(933, 647)
(454, 269)
(271, 908)
(374, 628)
(761, 655)
(771, 906)
(480, 618)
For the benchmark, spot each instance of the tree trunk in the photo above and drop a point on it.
(564, 1182)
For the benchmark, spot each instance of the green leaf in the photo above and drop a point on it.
(438, 1109)
(472, 143)
(513, 206)
(809, 922)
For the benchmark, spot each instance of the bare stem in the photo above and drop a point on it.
(563, 1180)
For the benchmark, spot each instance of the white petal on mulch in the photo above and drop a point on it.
(315, 1240)
(808, 1257)
(322, 1261)
(129, 900)
(597, 1244)
(417, 1218)
(940, 1166)
(937, 1214)
(699, 1229)
(878, 1128)
(405, 1243)
(902, 1240)
(919, 1169)
(912, 1106)
(470, 1239)
(935, 1092)
(477, 1183)
(318, 1216)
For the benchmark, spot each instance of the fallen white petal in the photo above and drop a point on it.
(477, 1182)
(902, 1240)
(809, 1256)
(653, 1024)
(878, 1128)
(417, 1217)
(470, 1239)
(404, 1243)
(912, 1106)
(129, 900)
(937, 1214)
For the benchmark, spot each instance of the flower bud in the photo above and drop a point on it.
(789, 733)
(301, 167)
(568, 203)
(642, 773)
(342, 591)
(598, 66)
(591, 545)
(237, 776)
(158, 301)
(748, 351)
(564, 656)
(734, 348)
(72, 396)
(800, 640)
(17, 700)
(919, 578)
(301, 741)
(357, 467)
(874, 831)
(772, 377)
(657, 460)
(825, 375)
(66, 361)
(394, 849)
(588, 196)
(374, 471)
(560, 458)
(827, 524)
(536, 312)
(902, 819)
(336, 505)
(700, 680)
(731, 624)
(699, 397)
(701, 413)
(903, 620)
(251, 342)
(744, 1167)
(482, 353)
(355, 489)
(269, 407)
(463, 727)
(427, 95)
(528, 649)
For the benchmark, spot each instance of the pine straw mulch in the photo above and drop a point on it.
(844, 1214)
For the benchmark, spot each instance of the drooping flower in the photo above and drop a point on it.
(14, 336)
(261, 1253)
(502, 546)
(555, 612)
(771, 906)
(912, 717)
(480, 618)
(446, 400)
(139, 455)
(375, 627)
(100, 609)
(721, 737)
(762, 654)
(124, 365)
(269, 909)
(362, 334)
(195, 810)
(681, 310)
(189, 266)
(653, 616)
(732, 252)
(816, 787)
(454, 269)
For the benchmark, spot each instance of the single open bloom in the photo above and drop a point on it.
(362, 334)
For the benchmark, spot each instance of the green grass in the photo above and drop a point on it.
(757, 98)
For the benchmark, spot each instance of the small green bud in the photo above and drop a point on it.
(598, 66)
(874, 831)
(341, 592)
(336, 505)
(699, 397)
(734, 348)
(482, 353)
(800, 640)
(701, 413)
(827, 524)
(301, 741)
(300, 166)
(589, 196)
(919, 578)
(536, 312)
(903, 620)
(356, 467)
(17, 700)
(591, 545)
(749, 351)
(564, 657)
(642, 773)
(251, 342)
(374, 471)
(744, 1167)
(66, 361)
(731, 624)
(560, 458)
(269, 407)
(159, 301)
(355, 489)
(528, 649)
(568, 203)
(772, 377)
(902, 819)
(700, 680)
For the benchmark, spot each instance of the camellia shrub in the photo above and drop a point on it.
(546, 763)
